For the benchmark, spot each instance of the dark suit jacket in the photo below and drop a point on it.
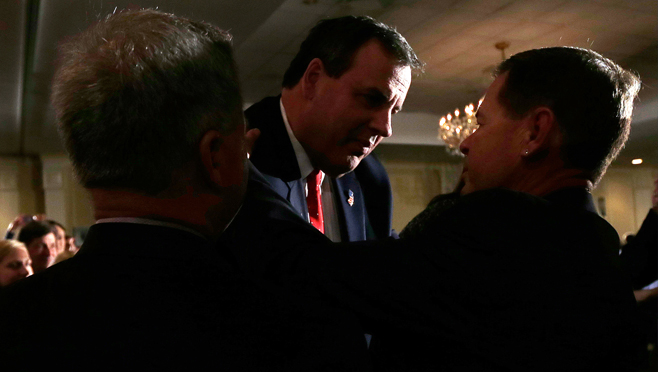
(499, 280)
(370, 215)
(139, 297)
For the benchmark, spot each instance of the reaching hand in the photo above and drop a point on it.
(20, 221)
(250, 140)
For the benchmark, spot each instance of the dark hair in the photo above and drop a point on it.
(134, 94)
(590, 95)
(34, 230)
(335, 41)
(54, 223)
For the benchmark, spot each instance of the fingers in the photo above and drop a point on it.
(250, 140)
(20, 221)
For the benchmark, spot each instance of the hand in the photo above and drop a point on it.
(20, 221)
(642, 295)
(250, 140)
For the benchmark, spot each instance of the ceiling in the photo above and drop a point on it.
(454, 37)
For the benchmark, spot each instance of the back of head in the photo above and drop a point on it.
(56, 224)
(34, 230)
(590, 95)
(135, 92)
(335, 41)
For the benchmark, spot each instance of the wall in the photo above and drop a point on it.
(414, 184)
(20, 188)
(625, 193)
(65, 200)
(29, 185)
(417, 174)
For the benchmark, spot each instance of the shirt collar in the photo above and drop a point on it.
(303, 161)
(148, 221)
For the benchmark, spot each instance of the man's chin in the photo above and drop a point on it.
(338, 170)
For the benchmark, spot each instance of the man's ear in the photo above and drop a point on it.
(210, 155)
(542, 131)
(314, 71)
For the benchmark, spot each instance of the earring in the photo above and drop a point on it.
(526, 152)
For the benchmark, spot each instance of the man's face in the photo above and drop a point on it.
(16, 265)
(350, 115)
(42, 251)
(494, 151)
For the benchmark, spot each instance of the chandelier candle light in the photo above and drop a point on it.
(454, 129)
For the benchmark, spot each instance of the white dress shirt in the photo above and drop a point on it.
(331, 224)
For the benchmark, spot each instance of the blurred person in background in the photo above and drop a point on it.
(39, 238)
(60, 235)
(15, 263)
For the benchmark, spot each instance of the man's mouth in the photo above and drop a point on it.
(367, 142)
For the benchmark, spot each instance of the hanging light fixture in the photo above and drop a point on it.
(453, 130)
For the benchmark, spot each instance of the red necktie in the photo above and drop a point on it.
(313, 200)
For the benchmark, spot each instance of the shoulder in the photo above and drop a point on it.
(263, 111)
(498, 205)
(506, 218)
(371, 172)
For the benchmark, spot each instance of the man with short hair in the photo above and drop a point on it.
(519, 273)
(41, 243)
(151, 114)
(350, 76)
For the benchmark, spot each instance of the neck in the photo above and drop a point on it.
(546, 182)
(293, 104)
(197, 211)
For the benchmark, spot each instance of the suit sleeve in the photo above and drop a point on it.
(378, 197)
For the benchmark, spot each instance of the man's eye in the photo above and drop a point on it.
(373, 101)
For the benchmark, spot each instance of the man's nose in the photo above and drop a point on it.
(464, 146)
(381, 124)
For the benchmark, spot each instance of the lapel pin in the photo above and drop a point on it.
(350, 199)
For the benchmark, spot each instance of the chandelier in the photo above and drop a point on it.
(453, 130)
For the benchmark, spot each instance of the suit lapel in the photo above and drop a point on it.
(350, 208)
(273, 154)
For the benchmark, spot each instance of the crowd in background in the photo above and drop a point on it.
(31, 245)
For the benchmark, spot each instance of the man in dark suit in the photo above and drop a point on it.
(151, 114)
(518, 273)
(350, 76)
